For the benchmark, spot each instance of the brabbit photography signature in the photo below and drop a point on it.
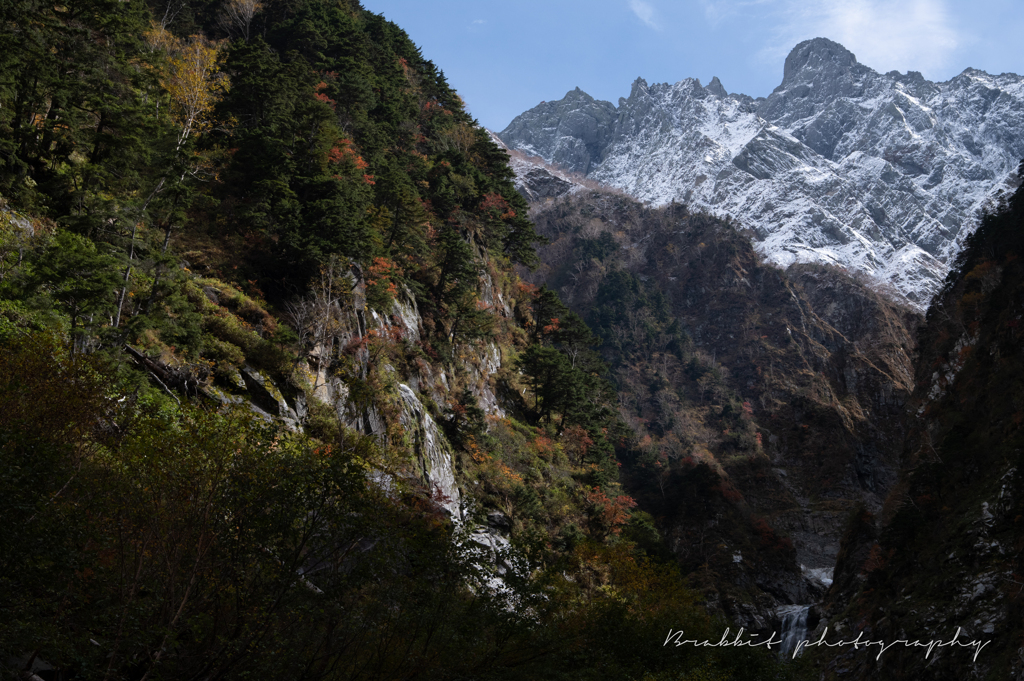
(676, 637)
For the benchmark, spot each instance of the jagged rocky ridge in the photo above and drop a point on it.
(882, 173)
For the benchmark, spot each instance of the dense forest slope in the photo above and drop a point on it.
(766, 405)
(944, 554)
(274, 402)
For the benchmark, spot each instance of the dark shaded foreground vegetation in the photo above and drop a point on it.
(198, 543)
(198, 197)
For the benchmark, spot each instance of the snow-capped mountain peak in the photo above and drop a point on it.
(882, 173)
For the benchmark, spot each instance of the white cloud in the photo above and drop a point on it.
(645, 12)
(479, 22)
(884, 34)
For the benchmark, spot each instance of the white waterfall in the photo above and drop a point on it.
(794, 627)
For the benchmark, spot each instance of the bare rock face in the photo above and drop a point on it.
(880, 173)
(538, 184)
(572, 132)
(537, 181)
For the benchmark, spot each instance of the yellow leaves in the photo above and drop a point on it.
(160, 39)
(191, 77)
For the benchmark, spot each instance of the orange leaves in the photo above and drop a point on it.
(432, 106)
(508, 473)
(321, 86)
(389, 334)
(492, 466)
(375, 341)
(407, 71)
(545, 447)
(526, 290)
(336, 154)
(577, 443)
(381, 288)
(477, 454)
(342, 153)
(611, 514)
(728, 492)
(552, 327)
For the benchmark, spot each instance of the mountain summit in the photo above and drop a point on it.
(820, 56)
(881, 173)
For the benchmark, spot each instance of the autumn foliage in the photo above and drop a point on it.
(381, 286)
(191, 77)
(609, 515)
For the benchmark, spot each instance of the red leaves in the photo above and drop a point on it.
(381, 288)
(577, 443)
(495, 206)
(526, 290)
(343, 153)
(728, 492)
(611, 513)
(769, 538)
(321, 86)
(545, 447)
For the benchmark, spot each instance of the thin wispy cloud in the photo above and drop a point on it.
(645, 12)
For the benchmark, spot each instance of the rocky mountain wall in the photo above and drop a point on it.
(879, 173)
(943, 555)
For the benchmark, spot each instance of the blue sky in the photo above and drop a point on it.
(506, 57)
